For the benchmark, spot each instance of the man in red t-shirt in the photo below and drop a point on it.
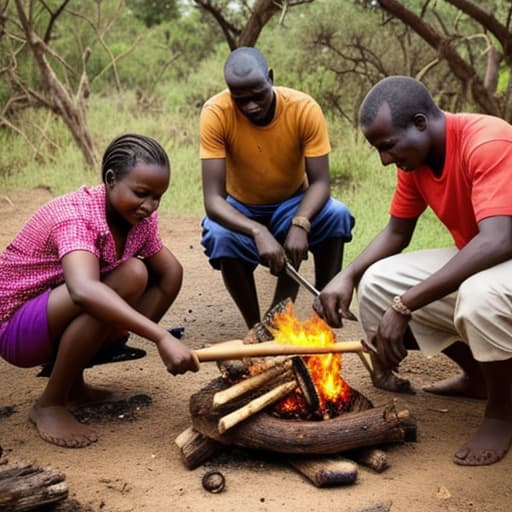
(458, 299)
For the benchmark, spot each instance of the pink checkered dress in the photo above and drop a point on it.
(31, 263)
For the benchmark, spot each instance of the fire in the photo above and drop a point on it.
(325, 370)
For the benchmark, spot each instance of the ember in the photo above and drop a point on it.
(333, 392)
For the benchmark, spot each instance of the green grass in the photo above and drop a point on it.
(359, 179)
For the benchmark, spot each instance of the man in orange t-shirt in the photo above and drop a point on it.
(265, 167)
(457, 300)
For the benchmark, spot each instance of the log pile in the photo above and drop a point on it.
(26, 487)
(237, 409)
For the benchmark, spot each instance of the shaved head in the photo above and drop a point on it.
(405, 97)
(245, 64)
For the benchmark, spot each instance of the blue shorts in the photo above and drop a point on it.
(334, 220)
(24, 338)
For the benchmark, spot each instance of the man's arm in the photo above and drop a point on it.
(492, 245)
(335, 298)
(218, 209)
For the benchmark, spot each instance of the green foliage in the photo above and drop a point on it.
(153, 12)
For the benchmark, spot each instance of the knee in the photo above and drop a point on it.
(171, 279)
(133, 277)
(471, 302)
(371, 282)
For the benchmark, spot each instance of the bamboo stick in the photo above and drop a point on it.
(254, 406)
(254, 382)
(236, 349)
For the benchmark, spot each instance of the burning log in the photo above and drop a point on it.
(368, 427)
(27, 487)
(324, 472)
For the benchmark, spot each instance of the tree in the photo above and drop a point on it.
(38, 74)
(492, 38)
(242, 22)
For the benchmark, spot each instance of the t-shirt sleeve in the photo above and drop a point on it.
(74, 235)
(491, 168)
(211, 133)
(316, 135)
(407, 202)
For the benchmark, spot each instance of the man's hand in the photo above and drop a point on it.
(389, 339)
(334, 300)
(270, 250)
(296, 246)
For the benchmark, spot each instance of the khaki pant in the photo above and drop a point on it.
(479, 313)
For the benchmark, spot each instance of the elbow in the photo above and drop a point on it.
(79, 296)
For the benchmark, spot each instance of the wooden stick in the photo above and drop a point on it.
(246, 385)
(325, 471)
(236, 349)
(254, 406)
(196, 448)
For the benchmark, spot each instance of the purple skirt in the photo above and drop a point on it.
(24, 338)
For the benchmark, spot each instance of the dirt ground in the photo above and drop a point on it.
(136, 466)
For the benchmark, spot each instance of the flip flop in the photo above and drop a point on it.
(115, 353)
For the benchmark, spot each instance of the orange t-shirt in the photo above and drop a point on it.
(476, 181)
(264, 164)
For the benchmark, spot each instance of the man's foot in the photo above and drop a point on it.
(460, 385)
(488, 445)
(57, 425)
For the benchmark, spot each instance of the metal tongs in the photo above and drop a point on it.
(300, 279)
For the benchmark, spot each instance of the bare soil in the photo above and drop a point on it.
(136, 466)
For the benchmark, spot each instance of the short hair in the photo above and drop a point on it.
(125, 151)
(244, 62)
(405, 96)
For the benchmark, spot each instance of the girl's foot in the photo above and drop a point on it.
(460, 385)
(57, 425)
(83, 393)
(488, 445)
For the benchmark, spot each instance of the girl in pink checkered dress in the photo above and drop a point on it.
(87, 268)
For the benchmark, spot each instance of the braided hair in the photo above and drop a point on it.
(125, 151)
(405, 96)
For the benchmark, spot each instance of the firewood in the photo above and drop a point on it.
(27, 487)
(324, 471)
(256, 405)
(349, 431)
(372, 458)
(305, 382)
(196, 448)
(240, 388)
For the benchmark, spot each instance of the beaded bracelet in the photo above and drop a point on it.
(398, 306)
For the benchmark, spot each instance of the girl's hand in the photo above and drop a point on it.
(176, 356)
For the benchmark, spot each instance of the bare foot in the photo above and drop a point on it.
(83, 393)
(488, 445)
(460, 385)
(57, 425)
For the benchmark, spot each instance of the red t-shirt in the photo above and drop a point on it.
(476, 181)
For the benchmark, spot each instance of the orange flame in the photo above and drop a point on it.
(333, 391)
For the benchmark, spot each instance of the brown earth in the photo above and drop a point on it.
(136, 466)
